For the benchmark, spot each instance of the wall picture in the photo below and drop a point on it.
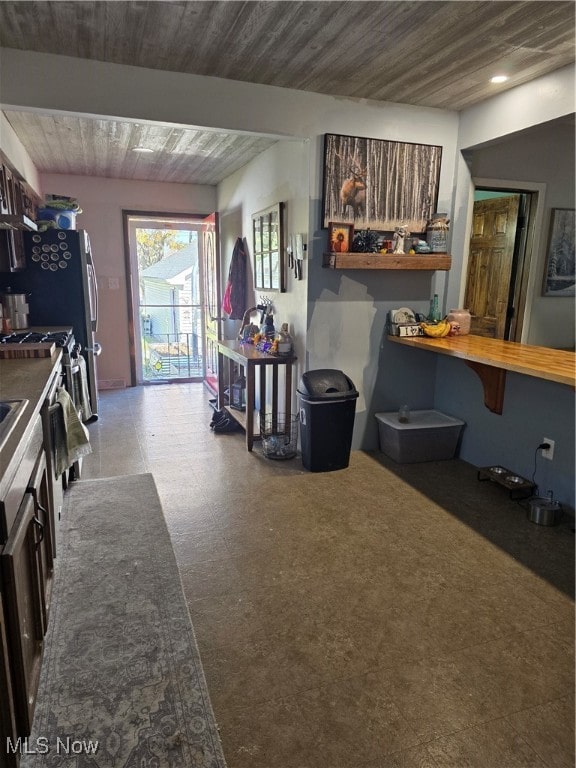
(340, 237)
(559, 275)
(379, 184)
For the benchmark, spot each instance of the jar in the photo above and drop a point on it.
(284, 341)
(462, 317)
(437, 233)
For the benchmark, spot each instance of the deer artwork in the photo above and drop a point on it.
(353, 189)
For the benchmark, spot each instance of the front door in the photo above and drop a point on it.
(212, 300)
(490, 264)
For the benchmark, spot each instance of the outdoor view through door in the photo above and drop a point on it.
(166, 269)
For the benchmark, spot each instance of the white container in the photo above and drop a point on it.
(428, 436)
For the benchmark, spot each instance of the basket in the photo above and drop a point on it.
(62, 219)
(279, 436)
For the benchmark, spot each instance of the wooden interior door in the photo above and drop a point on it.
(211, 300)
(490, 264)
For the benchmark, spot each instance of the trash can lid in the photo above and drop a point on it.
(326, 384)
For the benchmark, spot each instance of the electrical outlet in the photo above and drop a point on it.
(548, 453)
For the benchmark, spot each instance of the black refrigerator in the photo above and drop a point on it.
(60, 281)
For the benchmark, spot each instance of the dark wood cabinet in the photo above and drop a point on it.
(18, 211)
(26, 570)
(7, 713)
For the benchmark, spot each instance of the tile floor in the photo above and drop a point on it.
(381, 616)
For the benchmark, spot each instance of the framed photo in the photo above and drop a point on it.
(340, 237)
(268, 249)
(378, 184)
(559, 272)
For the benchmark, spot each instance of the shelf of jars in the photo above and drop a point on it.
(428, 261)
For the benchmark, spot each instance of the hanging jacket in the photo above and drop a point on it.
(234, 301)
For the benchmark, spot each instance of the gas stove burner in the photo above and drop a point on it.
(60, 338)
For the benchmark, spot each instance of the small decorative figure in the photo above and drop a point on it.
(400, 235)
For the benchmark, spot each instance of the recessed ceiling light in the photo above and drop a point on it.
(142, 149)
(499, 79)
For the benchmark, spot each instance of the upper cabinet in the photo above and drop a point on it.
(18, 208)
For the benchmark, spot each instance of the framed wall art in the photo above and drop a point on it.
(559, 272)
(378, 184)
(340, 237)
(268, 248)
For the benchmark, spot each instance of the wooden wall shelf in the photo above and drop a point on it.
(431, 261)
(491, 358)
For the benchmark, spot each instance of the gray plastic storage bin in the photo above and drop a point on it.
(428, 436)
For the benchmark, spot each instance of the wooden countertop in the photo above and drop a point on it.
(490, 359)
(26, 379)
(243, 352)
(540, 362)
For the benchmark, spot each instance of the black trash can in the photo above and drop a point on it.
(327, 408)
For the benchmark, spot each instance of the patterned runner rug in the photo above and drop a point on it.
(122, 684)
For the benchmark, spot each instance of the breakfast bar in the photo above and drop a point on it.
(491, 358)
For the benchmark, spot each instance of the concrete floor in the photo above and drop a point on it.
(380, 616)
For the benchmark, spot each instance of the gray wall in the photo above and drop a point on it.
(533, 409)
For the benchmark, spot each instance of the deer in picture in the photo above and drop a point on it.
(353, 190)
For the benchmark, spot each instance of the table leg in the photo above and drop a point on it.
(221, 364)
(288, 392)
(250, 405)
(274, 398)
(263, 375)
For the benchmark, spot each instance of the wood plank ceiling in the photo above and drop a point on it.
(435, 54)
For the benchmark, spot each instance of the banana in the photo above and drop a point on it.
(436, 330)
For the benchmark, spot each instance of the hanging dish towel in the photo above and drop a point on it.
(234, 301)
(73, 439)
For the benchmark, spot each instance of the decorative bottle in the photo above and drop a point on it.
(284, 341)
(434, 315)
(267, 330)
(437, 233)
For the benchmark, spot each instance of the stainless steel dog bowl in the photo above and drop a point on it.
(544, 511)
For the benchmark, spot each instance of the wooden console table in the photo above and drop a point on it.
(247, 356)
(491, 358)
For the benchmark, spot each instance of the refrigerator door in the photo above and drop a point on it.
(60, 282)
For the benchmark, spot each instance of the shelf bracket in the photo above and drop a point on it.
(494, 383)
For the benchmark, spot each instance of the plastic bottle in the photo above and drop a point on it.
(404, 414)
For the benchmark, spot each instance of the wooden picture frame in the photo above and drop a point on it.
(268, 248)
(340, 236)
(559, 268)
(378, 184)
